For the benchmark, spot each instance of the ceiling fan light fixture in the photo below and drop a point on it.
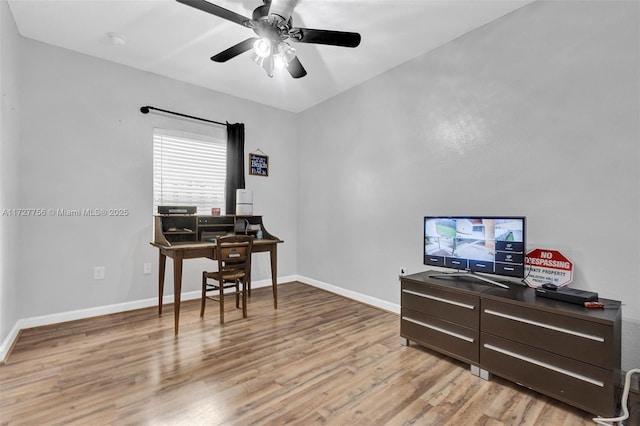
(272, 23)
(267, 63)
(262, 47)
(286, 52)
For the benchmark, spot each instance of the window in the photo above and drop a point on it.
(189, 169)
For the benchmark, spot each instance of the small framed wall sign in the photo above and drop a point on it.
(258, 164)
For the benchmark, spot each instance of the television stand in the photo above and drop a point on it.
(560, 349)
(470, 274)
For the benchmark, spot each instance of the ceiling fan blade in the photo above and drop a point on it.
(296, 69)
(333, 38)
(221, 12)
(234, 51)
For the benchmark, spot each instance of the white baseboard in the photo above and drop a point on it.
(56, 318)
(378, 303)
(25, 323)
(39, 321)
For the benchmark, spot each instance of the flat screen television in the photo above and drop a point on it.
(476, 244)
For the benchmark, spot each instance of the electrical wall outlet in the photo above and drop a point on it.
(403, 271)
(147, 268)
(98, 273)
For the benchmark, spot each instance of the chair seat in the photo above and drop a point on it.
(225, 276)
(233, 254)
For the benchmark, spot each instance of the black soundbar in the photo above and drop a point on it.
(570, 295)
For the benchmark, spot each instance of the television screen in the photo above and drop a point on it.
(489, 244)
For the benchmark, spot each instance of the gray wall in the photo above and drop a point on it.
(85, 144)
(534, 114)
(9, 143)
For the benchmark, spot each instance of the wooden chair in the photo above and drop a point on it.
(233, 254)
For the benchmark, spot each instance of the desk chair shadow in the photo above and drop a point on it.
(233, 254)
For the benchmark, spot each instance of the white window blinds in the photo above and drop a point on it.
(189, 169)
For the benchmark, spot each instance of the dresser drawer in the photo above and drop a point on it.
(582, 385)
(458, 308)
(445, 337)
(586, 341)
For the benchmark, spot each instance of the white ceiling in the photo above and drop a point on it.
(170, 39)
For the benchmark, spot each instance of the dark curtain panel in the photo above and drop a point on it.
(235, 164)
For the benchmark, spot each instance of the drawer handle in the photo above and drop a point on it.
(547, 326)
(441, 330)
(545, 365)
(439, 299)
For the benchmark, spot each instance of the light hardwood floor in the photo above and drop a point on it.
(318, 359)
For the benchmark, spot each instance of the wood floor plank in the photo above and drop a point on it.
(319, 359)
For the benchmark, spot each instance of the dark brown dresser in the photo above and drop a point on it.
(560, 349)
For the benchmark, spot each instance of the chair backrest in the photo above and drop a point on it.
(234, 254)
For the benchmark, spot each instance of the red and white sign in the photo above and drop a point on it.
(547, 266)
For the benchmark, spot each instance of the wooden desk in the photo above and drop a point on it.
(179, 252)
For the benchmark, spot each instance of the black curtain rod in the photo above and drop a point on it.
(146, 109)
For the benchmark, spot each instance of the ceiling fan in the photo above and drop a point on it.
(273, 26)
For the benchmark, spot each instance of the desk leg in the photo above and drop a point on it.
(162, 263)
(273, 254)
(177, 288)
